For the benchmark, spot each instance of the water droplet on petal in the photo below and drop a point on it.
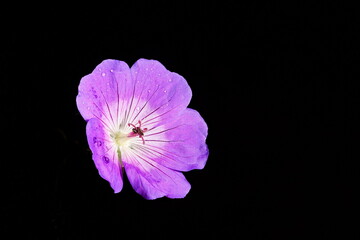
(149, 90)
(105, 159)
(103, 74)
(170, 80)
(165, 91)
(111, 70)
(138, 109)
(97, 142)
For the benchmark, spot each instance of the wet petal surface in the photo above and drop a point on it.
(105, 154)
(138, 119)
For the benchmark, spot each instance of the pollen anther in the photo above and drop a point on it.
(137, 131)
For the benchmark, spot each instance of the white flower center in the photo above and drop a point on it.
(121, 139)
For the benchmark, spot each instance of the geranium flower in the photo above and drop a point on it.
(138, 120)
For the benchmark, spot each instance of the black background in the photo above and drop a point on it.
(275, 83)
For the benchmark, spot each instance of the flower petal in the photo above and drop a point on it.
(180, 144)
(105, 154)
(157, 93)
(113, 97)
(99, 91)
(152, 180)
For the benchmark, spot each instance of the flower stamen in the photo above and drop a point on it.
(137, 131)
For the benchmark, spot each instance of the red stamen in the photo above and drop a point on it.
(137, 131)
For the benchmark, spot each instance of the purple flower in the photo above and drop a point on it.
(138, 120)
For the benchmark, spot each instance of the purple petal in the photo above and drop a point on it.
(99, 90)
(179, 144)
(157, 93)
(149, 96)
(152, 180)
(105, 154)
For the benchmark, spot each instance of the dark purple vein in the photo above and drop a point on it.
(151, 151)
(145, 104)
(107, 105)
(153, 165)
(148, 135)
(132, 99)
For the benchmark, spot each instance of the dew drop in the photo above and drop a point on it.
(170, 80)
(165, 91)
(111, 70)
(106, 159)
(149, 90)
(103, 74)
(137, 108)
(97, 142)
